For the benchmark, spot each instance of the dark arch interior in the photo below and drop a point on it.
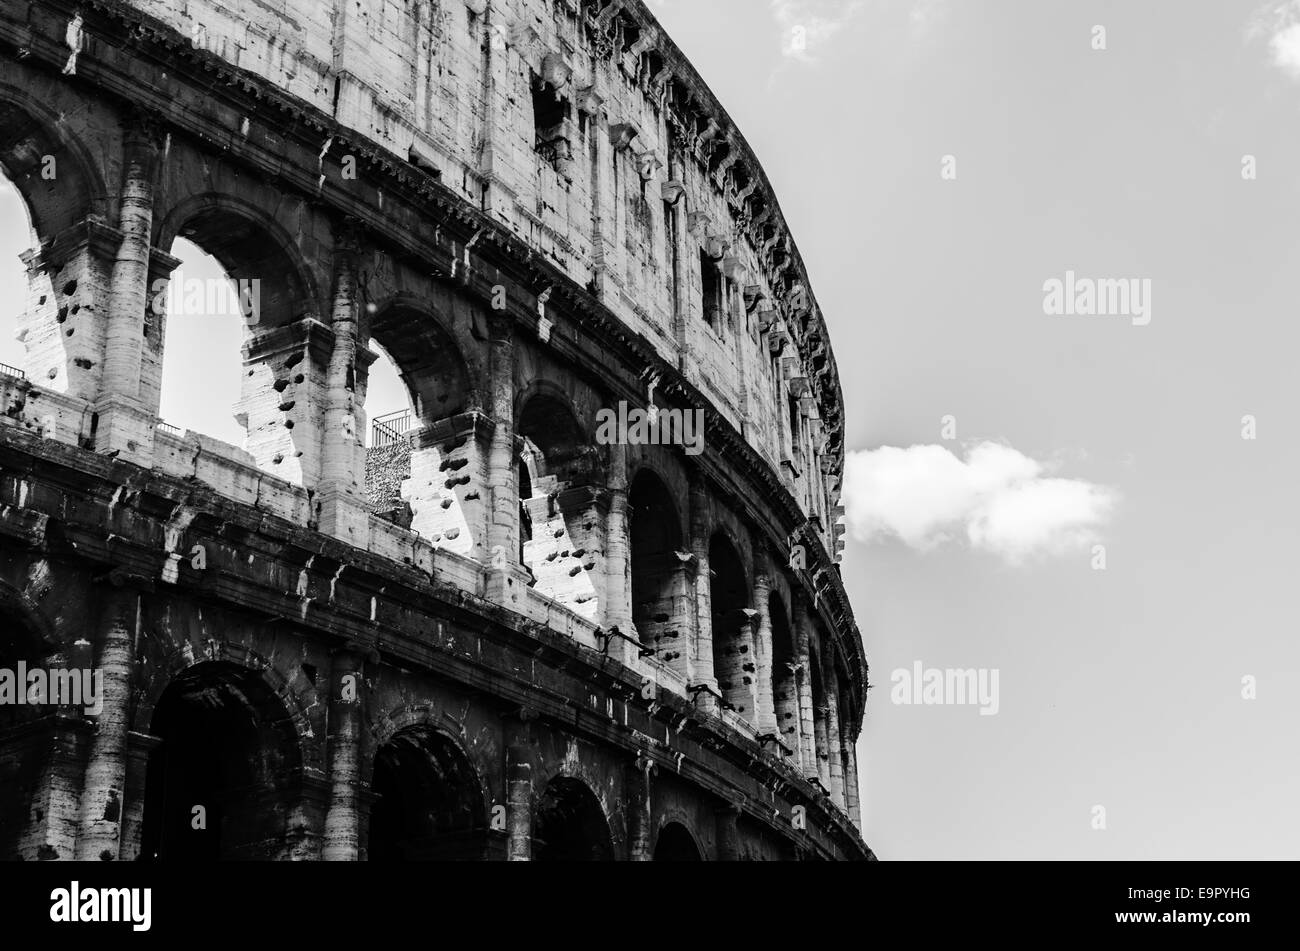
(246, 251)
(675, 844)
(23, 753)
(657, 572)
(562, 449)
(819, 712)
(429, 361)
(229, 746)
(569, 825)
(55, 202)
(428, 806)
(785, 690)
(733, 664)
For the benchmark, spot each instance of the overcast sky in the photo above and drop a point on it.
(1121, 687)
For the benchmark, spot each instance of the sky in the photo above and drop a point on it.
(1066, 499)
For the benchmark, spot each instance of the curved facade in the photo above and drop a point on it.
(524, 623)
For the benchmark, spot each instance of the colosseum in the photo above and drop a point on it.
(485, 626)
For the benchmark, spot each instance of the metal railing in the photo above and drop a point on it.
(390, 428)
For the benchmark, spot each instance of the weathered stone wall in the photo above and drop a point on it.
(260, 579)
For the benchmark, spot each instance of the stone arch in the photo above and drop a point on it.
(570, 823)
(821, 738)
(33, 130)
(68, 261)
(249, 244)
(271, 290)
(220, 783)
(734, 663)
(430, 716)
(785, 686)
(158, 678)
(442, 379)
(558, 499)
(660, 595)
(677, 843)
(25, 637)
(429, 803)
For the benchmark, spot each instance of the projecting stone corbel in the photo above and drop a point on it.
(710, 132)
(477, 7)
(717, 245)
(556, 70)
(673, 191)
(622, 134)
(647, 164)
(753, 297)
(523, 38)
(724, 169)
(734, 270)
(646, 41)
(589, 101)
(606, 16)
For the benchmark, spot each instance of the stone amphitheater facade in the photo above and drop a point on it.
(495, 633)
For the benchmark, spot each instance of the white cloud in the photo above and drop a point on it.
(1280, 23)
(998, 499)
(806, 25)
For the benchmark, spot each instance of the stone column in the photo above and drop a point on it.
(728, 834)
(834, 741)
(342, 814)
(852, 793)
(507, 582)
(342, 468)
(618, 559)
(766, 720)
(639, 833)
(803, 658)
(747, 637)
(140, 747)
(103, 790)
(519, 789)
(704, 669)
(124, 425)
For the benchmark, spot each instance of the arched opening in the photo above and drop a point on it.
(428, 805)
(16, 236)
(24, 751)
(733, 655)
(785, 687)
(821, 739)
(559, 523)
(49, 320)
(199, 314)
(238, 298)
(435, 474)
(218, 783)
(428, 359)
(676, 844)
(569, 825)
(659, 601)
(391, 412)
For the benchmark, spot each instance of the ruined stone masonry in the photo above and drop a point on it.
(487, 635)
